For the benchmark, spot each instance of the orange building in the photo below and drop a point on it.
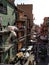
(44, 28)
(27, 8)
(21, 23)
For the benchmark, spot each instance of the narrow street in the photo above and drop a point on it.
(41, 61)
(24, 39)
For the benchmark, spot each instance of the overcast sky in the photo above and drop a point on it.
(40, 9)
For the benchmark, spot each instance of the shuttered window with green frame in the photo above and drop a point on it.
(3, 7)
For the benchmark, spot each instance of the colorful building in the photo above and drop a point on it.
(21, 23)
(7, 17)
(44, 27)
(46, 30)
(7, 14)
(27, 8)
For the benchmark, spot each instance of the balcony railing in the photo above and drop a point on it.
(22, 19)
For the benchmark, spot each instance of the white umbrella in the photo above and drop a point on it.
(26, 54)
(12, 28)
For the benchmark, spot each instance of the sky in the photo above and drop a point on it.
(40, 9)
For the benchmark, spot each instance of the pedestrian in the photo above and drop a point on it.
(33, 62)
(21, 61)
(30, 63)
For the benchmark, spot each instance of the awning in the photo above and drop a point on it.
(12, 28)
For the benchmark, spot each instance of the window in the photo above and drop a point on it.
(17, 15)
(3, 8)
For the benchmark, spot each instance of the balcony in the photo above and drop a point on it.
(5, 47)
(22, 19)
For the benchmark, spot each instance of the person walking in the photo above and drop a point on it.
(21, 61)
(30, 63)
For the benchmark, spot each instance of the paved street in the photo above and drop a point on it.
(41, 62)
(31, 58)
